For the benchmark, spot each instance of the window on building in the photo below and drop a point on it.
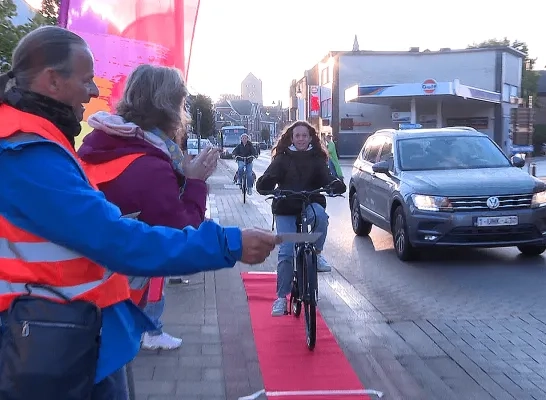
(325, 76)
(508, 92)
(326, 108)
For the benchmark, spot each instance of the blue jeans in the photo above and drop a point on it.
(113, 387)
(332, 168)
(317, 218)
(241, 165)
(154, 311)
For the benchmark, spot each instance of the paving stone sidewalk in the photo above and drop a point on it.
(218, 360)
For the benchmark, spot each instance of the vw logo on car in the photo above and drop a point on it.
(493, 202)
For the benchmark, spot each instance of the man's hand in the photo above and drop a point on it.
(257, 245)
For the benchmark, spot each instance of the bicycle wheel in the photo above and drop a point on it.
(310, 300)
(295, 301)
(243, 186)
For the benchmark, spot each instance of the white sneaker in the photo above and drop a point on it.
(279, 307)
(160, 342)
(322, 264)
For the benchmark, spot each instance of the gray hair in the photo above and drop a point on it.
(44, 47)
(154, 98)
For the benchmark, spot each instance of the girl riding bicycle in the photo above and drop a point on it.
(299, 163)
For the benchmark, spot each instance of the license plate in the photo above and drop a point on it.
(497, 221)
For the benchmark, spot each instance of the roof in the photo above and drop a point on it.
(423, 133)
(243, 107)
(252, 76)
(424, 53)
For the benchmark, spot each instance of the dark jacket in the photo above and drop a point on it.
(245, 150)
(149, 185)
(298, 171)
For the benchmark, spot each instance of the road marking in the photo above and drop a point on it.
(256, 395)
(262, 272)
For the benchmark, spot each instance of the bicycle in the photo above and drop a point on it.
(243, 179)
(305, 279)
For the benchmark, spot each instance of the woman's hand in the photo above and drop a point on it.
(201, 166)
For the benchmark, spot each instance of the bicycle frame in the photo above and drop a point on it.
(243, 178)
(307, 281)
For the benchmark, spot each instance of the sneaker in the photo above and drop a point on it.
(322, 264)
(279, 307)
(249, 191)
(160, 342)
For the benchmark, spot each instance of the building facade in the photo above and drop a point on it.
(353, 94)
(251, 89)
(239, 113)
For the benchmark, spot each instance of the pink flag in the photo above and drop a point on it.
(126, 33)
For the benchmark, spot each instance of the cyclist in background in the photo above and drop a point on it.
(299, 163)
(245, 149)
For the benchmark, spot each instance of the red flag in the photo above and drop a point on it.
(126, 33)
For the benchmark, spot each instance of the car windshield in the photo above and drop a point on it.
(231, 139)
(449, 152)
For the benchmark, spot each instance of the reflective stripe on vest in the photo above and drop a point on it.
(32, 252)
(107, 172)
(27, 258)
(110, 170)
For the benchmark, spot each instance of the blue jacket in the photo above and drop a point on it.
(42, 191)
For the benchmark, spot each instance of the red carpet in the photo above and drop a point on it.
(285, 362)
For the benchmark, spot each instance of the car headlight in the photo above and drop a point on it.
(431, 203)
(539, 199)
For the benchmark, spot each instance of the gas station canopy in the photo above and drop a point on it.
(405, 92)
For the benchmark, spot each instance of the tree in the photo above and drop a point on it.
(204, 104)
(10, 34)
(265, 134)
(529, 78)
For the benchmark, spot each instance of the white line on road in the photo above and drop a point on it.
(256, 395)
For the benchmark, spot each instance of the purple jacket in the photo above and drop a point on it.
(149, 185)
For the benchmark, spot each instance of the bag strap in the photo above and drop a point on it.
(29, 287)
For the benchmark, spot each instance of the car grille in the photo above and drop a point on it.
(494, 235)
(479, 203)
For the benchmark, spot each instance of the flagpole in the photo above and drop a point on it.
(192, 37)
(62, 19)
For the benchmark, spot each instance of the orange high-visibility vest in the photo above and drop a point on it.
(106, 172)
(27, 258)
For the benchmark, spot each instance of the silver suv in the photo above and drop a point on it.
(446, 187)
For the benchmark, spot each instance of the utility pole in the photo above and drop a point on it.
(198, 131)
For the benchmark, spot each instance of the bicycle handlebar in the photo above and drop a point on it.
(284, 193)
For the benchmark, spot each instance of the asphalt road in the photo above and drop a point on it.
(476, 317)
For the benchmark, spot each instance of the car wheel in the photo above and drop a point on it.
(531, 250)
(402, 246)
(360, 226)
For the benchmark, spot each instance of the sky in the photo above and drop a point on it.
(278, 40)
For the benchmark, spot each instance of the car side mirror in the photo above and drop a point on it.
(517, 161)
(382, 167)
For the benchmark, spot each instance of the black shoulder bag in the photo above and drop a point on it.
(49, 350)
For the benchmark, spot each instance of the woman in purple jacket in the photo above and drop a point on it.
(165, 186)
